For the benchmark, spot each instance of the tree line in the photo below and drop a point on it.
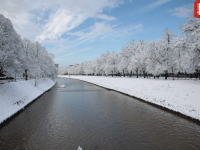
(22, 57)
(170, 55)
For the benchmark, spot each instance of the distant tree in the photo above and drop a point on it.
(166, 52)
(103, 59)
(111, 64)
(191, 59)
(153, 61)
(124, 59)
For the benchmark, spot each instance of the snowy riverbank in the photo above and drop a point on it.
(15, 96)
(182, 96)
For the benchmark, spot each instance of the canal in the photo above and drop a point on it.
(77, 113)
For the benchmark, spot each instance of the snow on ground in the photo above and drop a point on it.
(16, 95)
(178, 95)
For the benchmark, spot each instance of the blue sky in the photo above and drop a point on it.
(81, 30)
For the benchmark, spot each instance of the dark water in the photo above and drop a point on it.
(96, 119)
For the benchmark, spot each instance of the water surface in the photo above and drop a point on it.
(83, 114)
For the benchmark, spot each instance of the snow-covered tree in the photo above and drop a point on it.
(111, 64)
(124, 59)
(153, 61)
(98, 66)
(22, 56)
(138, 59)
(191, 59)
(10, 47)
(166, 52)
(103, 59)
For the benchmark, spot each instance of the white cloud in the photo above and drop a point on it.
(105, 17)
(100, 31)
(183, 12)
(67, 14)
(157, 3)
(59, 23)
(65, 20)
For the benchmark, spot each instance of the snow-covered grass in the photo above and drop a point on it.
(15, 96)
(182, 96)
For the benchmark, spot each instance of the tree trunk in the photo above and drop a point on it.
(35, 80)
(166, 75)
(1, 73)
(123, 73)
(26, 74)
(130, 74)
(112, 73)
(137, 73)
(144, 74)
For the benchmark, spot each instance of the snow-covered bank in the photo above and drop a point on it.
(182, 96)
(16, 95)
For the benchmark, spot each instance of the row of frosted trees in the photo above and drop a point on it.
(23, 57)
(170, 55)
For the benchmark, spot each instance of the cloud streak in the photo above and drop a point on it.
(71, 53)
(97, 30)
(102, 30)
(182, 12)
(157, 4)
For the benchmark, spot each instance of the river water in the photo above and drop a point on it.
(96, 119)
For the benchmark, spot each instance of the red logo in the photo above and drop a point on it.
(197, 9)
